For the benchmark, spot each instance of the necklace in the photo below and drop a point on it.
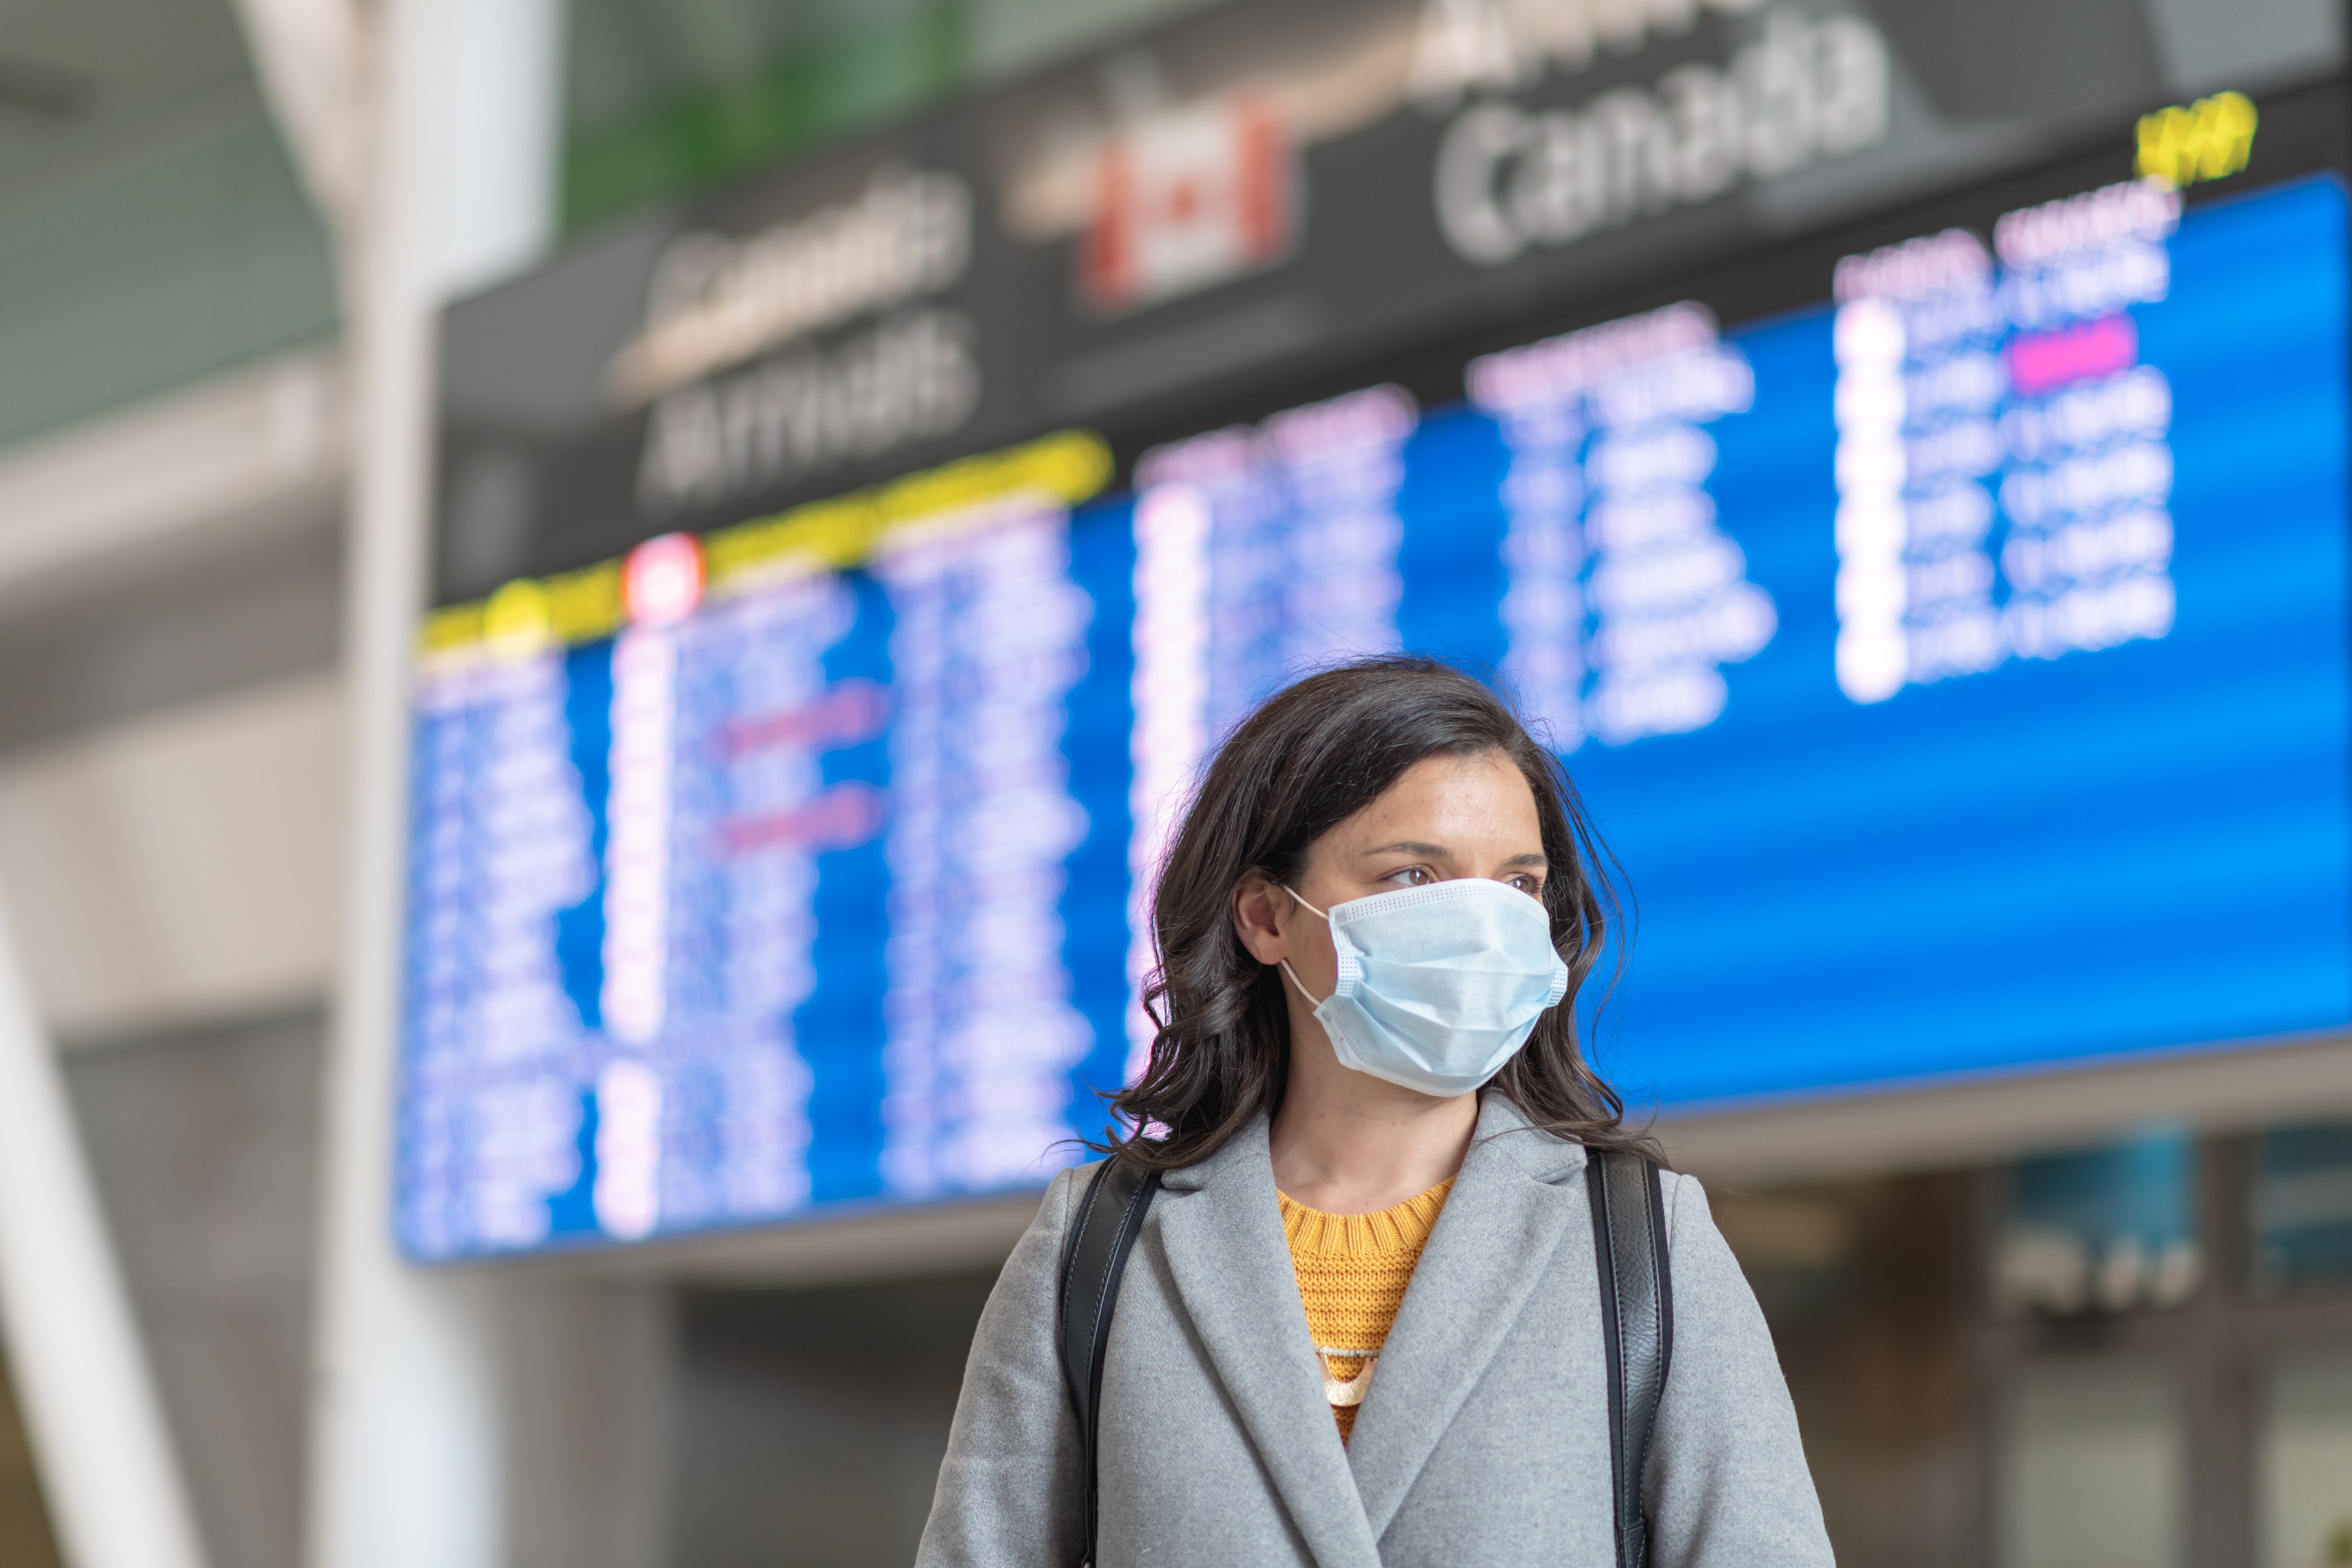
(1350, 1391)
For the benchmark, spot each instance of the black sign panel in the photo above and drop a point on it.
(1268, 191)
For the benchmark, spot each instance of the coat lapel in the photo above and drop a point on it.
(1221, 1229)
(1496, 1236)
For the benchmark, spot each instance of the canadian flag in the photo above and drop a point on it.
(1188, 199)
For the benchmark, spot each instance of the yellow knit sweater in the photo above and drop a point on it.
(1352, 1271)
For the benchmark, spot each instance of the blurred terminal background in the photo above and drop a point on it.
(605, 605)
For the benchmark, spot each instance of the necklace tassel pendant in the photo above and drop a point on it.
(1350, 1391)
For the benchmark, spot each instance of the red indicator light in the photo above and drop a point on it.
(662, 581)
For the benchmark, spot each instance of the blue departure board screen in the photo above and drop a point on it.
(1958, 669)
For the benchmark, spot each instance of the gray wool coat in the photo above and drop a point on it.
(1482, 1443)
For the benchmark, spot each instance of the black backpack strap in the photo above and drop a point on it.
(1094, 1257)
(1637, 1325)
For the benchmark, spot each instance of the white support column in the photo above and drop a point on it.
(98, 1439)
(407, 1433)
(493, 73)
(497, 106)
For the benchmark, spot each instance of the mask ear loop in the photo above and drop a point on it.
(1289, 973)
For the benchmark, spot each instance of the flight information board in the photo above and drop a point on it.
(1960, 670)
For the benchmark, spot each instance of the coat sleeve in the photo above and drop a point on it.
(1728, 1487)
(1009, 1494)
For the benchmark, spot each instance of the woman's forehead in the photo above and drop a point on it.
(1447, 804)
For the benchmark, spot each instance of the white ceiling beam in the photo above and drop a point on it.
(261, 450)
(311, 56)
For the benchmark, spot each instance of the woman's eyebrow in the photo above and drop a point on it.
(1439, 852)
(1412, 847)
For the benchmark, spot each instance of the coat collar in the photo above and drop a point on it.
(1221, 1227)
(1510, 1206)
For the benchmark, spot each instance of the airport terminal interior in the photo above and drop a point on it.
(596, 668)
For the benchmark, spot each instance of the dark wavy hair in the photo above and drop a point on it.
(1314, 755)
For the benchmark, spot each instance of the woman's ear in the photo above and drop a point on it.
(1257, 909)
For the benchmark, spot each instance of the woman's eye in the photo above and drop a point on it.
(1412, 875)
(1531, 886)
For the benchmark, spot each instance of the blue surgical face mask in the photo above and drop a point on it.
(1438, 984)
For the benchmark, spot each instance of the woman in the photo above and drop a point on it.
(1360, 1324)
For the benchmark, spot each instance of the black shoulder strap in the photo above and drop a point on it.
(1093, 1257)
(1637, 1323)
